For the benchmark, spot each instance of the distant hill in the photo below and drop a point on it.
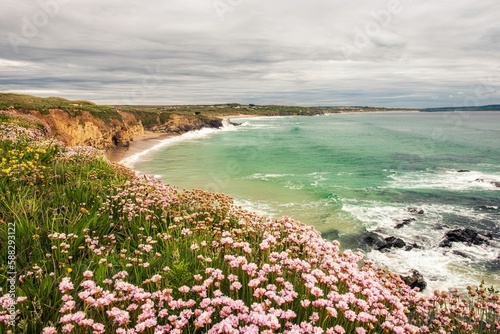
(490, 107)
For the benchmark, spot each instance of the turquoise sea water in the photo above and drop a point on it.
(347, 174)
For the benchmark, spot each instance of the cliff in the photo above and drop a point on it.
(83, 123)
(89, 130)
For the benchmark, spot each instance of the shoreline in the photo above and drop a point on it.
(139, 144)
(148, 139)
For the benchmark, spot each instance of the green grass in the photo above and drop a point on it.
(27, 103)
(82, 220)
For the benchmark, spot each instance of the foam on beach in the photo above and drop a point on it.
(188, 136)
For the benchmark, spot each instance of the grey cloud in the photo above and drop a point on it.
(291, 52)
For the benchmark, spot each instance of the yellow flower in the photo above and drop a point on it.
(69, 270)
(35, 236)
(83, 210)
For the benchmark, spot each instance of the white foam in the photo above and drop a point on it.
(444, 179)
(442, 268)
(188, 136)
(259, 207)
(437, 270)
(266, 177)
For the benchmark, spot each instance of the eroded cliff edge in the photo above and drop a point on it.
(102, 133)
(83, 123)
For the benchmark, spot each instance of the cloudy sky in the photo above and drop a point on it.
(393, 53)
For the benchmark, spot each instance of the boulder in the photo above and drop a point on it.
(375, 241)
(404, 222)
(391, 242)
(412, 246)
(372, 240)
(415, 280)
(496, 184)
(463, 171)
(415, 211)
(466, 235)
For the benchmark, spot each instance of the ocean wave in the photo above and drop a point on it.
(454, 180)
(442, 267)
(188, 136)
(439, 270)
(266, 177)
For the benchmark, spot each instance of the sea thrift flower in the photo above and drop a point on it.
(87, 274)
(49, 330)
(65, 286)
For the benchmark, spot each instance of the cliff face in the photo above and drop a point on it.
(184, 123)
(86, 129)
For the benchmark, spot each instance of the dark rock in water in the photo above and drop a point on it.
(412, 246)
(372, 240)
(459, 253)
(445, 243)
(375, 241)
(463, 171)
(415, 211)
(404, 222)
(467, 236)
(496, 184)
(391, 242)
(415, 280)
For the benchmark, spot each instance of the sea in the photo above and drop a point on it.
(349, 175)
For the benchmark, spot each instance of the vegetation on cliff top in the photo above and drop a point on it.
(150, 115)
(88, 247)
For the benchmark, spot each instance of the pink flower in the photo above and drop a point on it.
(65, 286)
(98, 328)
(156, 278)
(49, 330)
(88, 274)
(21, 299)
(339, 329)
(350, 315)
(314, 317)
(67, 328)
(184, 289)
(331, 312)
(360, 330)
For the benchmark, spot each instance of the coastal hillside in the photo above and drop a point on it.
(89, 247)
(77, 123)
(81, 122)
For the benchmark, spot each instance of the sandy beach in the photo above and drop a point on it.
(138, 144)
(147, 140)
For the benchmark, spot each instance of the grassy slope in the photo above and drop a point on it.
(94, 241)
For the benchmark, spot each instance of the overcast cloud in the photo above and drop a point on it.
(391, 53)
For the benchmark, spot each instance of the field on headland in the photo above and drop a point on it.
(88, 247)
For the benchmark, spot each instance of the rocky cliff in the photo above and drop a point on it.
(87, 129)
(105, 131)
(184, 123)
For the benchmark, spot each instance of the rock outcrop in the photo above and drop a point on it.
(404, 222)
(373, 240)
(89, 130)
(467, 236)
(415, 280)
(115, 129)
(184, 123)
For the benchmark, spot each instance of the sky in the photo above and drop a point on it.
(384, 53)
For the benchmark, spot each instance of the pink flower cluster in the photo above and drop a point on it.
(14, 133)
(144, 197)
